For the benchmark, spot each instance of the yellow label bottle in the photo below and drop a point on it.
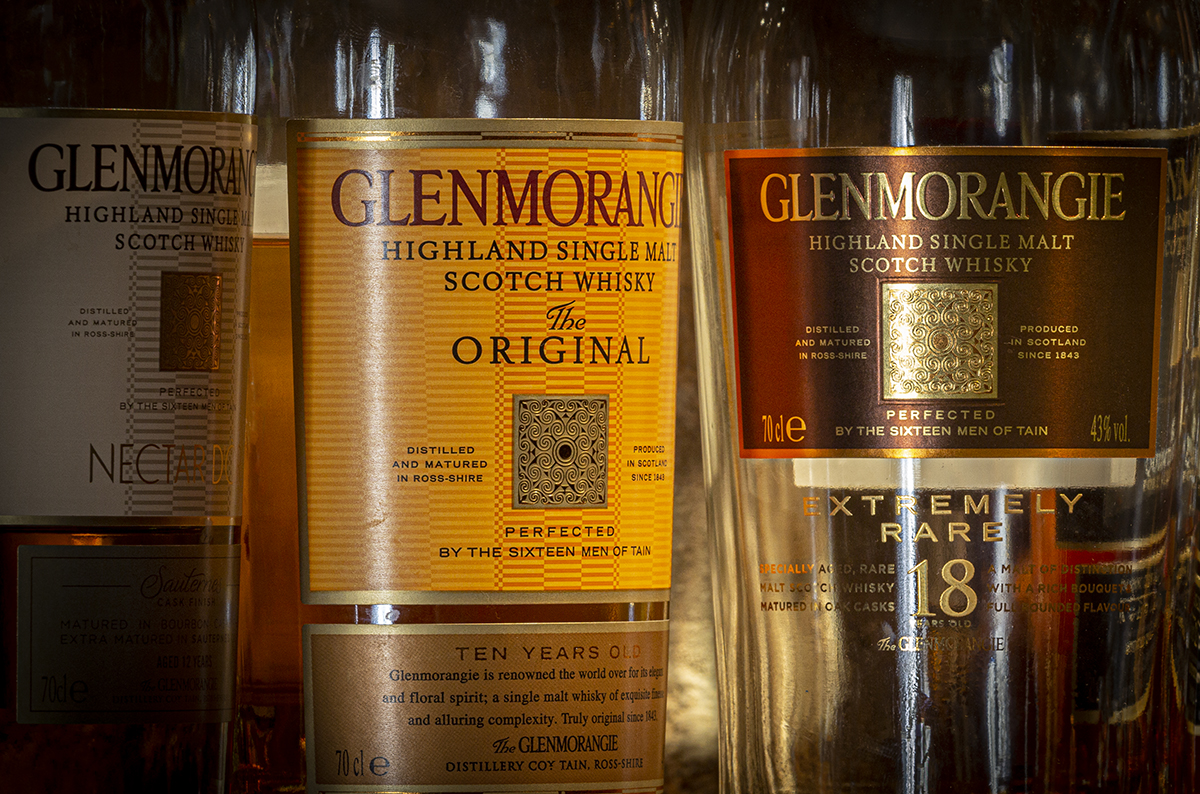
(484, 261)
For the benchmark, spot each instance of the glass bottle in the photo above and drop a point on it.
(483, 86)
(939, 540)
(128, 158)
(269, 744)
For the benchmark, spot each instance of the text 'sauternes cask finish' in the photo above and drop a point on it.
(945, 299)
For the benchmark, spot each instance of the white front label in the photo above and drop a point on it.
(122, 310)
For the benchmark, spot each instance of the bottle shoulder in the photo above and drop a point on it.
(487, 60)
(196, 56)
(938, 74)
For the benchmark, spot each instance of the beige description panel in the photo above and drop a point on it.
(126, 633)
(548, 707)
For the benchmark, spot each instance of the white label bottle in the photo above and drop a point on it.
(128, 160)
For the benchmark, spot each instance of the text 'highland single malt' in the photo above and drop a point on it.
(943, 295)
(484, 216)
(122, 306)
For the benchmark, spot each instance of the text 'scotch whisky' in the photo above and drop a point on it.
(945, 287)
(483, 218)
(128, 161)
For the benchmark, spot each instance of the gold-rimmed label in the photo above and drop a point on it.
(544, 707)
(948, 301)
(486, 337)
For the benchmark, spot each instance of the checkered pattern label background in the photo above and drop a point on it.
(421, 344)
(126, 416)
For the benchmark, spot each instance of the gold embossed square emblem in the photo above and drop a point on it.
(939, 341)
(560, 450)
(189, 335)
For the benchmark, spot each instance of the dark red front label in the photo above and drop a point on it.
(967, 301)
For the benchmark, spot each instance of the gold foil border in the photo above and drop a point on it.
(412, 133)
(419, 597)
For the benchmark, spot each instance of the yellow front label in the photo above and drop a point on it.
(487, 336)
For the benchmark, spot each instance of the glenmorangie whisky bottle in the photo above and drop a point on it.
(128, 164)
(269, 741)
(944, 261)
(484, 215)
